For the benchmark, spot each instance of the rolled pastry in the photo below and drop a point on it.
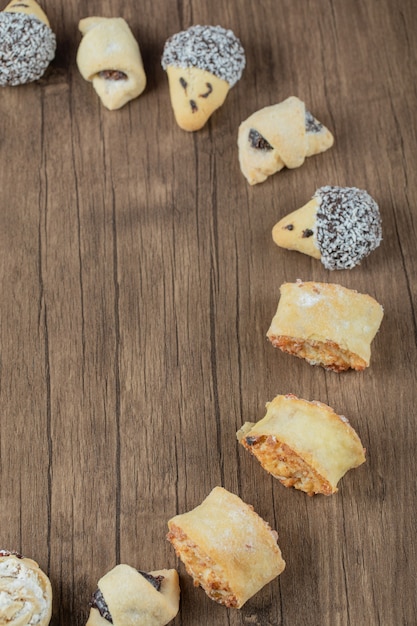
(277, 136)
(109, 57)
(305, 445)
(326, 324)
(339, 225)
(226, 548)
(129, 597)
(27, 43)
(25, 592)
(202, 64)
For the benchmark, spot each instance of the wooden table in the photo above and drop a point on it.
(139, 278)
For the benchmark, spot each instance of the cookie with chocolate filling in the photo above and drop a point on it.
(25, 591)
(27, 43)
(109, 57)
(129, 596)
(202, 63)
(303, 444)
(278, 136)
(339, 225)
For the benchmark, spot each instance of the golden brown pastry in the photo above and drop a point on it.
(27, 43)
(130, 597)
(25, 592)
(226, 548)
(326, 324)
(339, 225)
(277, 136)
(202, 64)
(303, 444)
(109, 57)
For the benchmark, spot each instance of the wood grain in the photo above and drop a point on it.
(139, 279)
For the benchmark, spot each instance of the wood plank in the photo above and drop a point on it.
(139, 278)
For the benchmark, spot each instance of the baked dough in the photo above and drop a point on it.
(29, 7)
(129, 598)
(326, 324)
(202, 64)
(25, 592)
(109, 57)
(303, 444)
(339, 225)
(27, 43)
(277, 136)
(226, 548)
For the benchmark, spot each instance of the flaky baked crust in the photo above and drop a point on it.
(226, 548)
(278, 136)
(109, 57)
(303, 444)
(131, 599)
(326, 324)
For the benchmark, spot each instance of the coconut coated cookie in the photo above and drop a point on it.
(339, 225)
(202, 64)
(226, 548)
(277, 136)
(25, 592)
(109, 57)
(27, 43)
(303, 444)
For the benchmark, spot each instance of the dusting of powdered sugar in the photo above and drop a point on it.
(27, 46)
(307, 299)
(348, 226)
(210, 48)
(19, 582)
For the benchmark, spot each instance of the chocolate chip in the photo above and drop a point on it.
(98, 602)
(10, 553)
(193, 105)
(311, 124)
(154, 580)
(209, 88)
(257, 141)
(112, 75)
(289, 227)
(183, 83)
(307, 233)
(251, 440)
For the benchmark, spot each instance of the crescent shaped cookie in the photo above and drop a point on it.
(25, 592)
(303, 444)
(129, 597)
(227, 548)
(109, 57)
(277, 136)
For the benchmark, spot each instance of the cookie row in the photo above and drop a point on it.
(226, 547)
(202, 63)
(340, 226)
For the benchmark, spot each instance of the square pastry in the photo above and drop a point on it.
(303, 444)
(227, 548)
(326, 324)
